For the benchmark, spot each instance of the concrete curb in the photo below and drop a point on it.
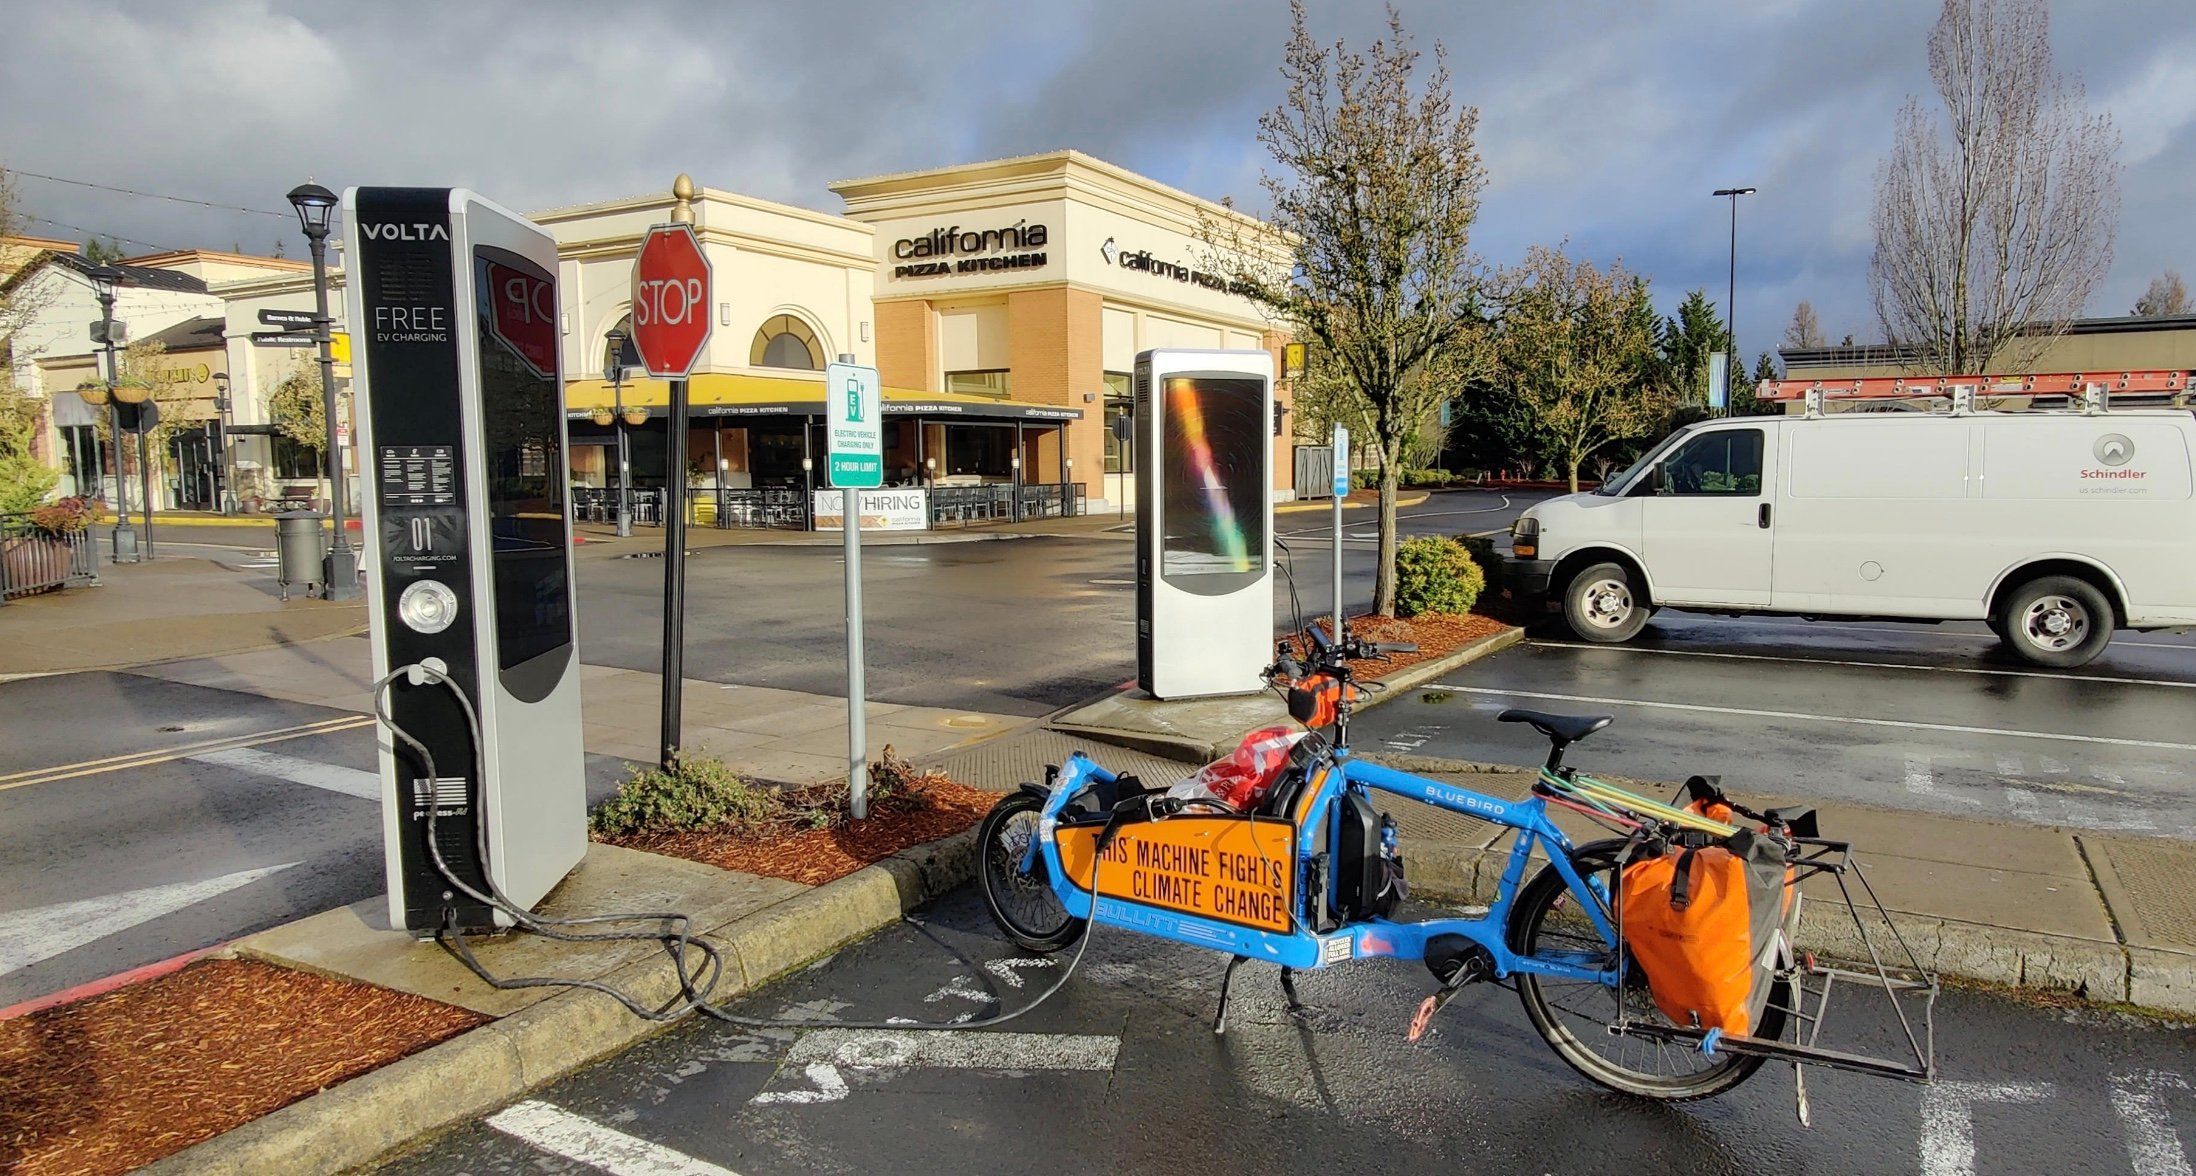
(1195, 750)
(367, 1118)
(1401, 501)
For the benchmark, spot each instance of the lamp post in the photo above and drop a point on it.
(1730, 298)
(225, 489)
(315, 208)
(614, 371)
(104, 279)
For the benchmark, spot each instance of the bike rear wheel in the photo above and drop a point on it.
(1023, 904)
(1574, 1016)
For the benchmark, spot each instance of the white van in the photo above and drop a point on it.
(2055, 527)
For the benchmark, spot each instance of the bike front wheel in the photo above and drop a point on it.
(1574, 1016)
(1022, 903)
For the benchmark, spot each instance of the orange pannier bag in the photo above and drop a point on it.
(1702, 922)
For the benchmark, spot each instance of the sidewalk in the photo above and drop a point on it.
(169, 608)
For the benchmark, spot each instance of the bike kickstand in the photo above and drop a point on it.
(1297, 1007)
(1227, 978)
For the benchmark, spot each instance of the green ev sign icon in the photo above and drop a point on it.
(854, 437)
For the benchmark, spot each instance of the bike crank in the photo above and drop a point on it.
(1456, 962)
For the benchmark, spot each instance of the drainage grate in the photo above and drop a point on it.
(2155, 879)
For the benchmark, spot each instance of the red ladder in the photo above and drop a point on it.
(2071, 384)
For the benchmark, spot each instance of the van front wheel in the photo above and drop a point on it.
(2056, 621)
(1603, 605)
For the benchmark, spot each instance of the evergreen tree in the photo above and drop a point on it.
(1688, 339)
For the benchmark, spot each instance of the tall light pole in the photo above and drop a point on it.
(108, 391)
(225, 495)
(1730, 298)
(614, 371)
(315, 208)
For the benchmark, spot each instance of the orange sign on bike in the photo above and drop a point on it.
(1231, 869)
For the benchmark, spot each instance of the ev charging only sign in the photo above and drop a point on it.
(854, 406)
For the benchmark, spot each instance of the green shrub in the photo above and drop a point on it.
(1435, 575)
(1427, 477)
(24, 483)
(1482, 550)
(1364, 479)
(695, 794)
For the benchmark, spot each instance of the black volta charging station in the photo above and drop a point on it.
(453, 301)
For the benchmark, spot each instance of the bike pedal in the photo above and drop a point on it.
(1426, 1010)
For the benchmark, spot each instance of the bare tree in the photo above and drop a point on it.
(1994, 223)
(1805, 331)
(1578, 355)
(1374, 198)
(2166, 296)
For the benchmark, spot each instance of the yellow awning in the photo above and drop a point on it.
(718, 394)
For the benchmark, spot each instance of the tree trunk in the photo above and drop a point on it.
(1391, 475)
(1575, 463)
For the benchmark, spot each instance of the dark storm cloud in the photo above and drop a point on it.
(1605, 124)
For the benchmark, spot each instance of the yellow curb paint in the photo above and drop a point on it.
(163, 755)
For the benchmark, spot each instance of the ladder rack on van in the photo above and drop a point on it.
(2095, 389)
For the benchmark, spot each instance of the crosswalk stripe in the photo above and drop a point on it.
(297, 770)
(560, 1132)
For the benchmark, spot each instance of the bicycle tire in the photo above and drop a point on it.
(1545, 895)
(1000, 842)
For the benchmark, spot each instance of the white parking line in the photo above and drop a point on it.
(1806, 717)
(1870, 665)
(1948, 1120)
(560, 1132)
(297, 770)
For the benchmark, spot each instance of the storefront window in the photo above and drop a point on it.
(86, 457)
(1120, 454)
(292, 460)
(786, 342)
(979, 383)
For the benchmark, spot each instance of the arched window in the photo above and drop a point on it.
(629, 358)
(786, 342)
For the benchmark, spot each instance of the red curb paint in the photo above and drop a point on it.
(107, 984)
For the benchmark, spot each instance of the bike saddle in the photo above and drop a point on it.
(1566, 728)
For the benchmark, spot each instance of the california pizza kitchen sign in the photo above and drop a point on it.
(954, 250)
(1144, 262)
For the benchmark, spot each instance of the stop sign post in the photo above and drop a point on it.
(671, 299)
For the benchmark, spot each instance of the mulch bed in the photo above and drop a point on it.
(1436, 635)
(937, 808)
(114, 1082)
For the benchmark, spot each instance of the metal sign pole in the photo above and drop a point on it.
(1341, 488)
(857, 740)
(674, 576)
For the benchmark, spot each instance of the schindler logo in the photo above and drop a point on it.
(2114, 449)
(405, 232)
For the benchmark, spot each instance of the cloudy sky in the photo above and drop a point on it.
(1604, 123)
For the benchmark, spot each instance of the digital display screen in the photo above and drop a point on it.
(1214, 447)
(522, 420)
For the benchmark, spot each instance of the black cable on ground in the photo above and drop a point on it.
(676, 933)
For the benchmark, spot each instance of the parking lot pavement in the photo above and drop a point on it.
(1928, 718)
(1121, 1073)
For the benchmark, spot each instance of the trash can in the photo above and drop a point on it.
(301, 551)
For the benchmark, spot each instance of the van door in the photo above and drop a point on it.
(1706, 526)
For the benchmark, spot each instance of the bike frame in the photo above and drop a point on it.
(1314, 821)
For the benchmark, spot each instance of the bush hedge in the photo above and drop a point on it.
(697, 793)
(1435, 575)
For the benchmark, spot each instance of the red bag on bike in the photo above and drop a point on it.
(1242, 779)
(1702, 922)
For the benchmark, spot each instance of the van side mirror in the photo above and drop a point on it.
(1651, 481)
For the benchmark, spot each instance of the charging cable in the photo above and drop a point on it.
(675, 930)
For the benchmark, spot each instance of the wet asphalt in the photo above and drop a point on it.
(2023, 1089)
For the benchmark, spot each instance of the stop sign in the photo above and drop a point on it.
(670, 301)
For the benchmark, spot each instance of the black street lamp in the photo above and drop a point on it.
(1730, 298)
(614, 371)
(225, 492)
(315, 208)
(104, 280)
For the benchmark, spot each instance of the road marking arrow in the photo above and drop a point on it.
(33, 936)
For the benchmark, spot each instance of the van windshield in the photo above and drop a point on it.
(1614, 484)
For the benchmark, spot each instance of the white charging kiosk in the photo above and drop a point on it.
(1204, 521)
(468, 541)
